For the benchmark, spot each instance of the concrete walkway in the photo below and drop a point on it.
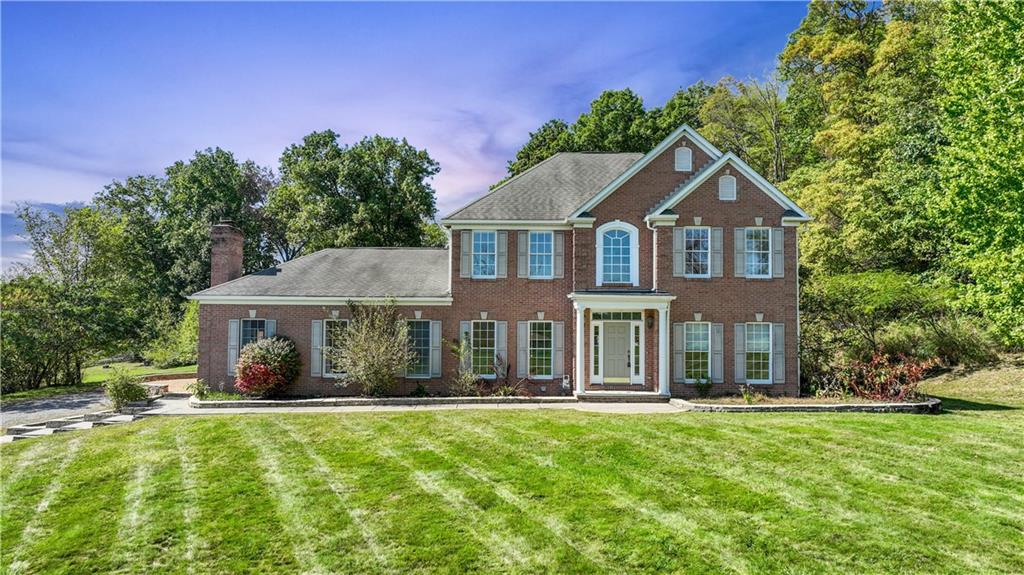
(180, 406)
(56, 407)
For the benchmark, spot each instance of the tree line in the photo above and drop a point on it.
(110, 278)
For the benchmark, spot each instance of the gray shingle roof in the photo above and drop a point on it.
(348, 272)
(551, 190)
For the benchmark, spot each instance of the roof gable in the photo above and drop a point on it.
(662, 147)
(733, 160)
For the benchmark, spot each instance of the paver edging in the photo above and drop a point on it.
(360, 401)
(930, 405)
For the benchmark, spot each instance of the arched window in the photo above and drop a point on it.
(617, 254)
(727, 188)
(684, 159)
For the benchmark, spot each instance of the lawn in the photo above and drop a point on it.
(99, 374)
(498, 490)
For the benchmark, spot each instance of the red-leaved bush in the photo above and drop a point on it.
(267, 366)
(884, 378)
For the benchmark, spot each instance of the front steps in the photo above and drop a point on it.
(623, 396)
(73, 423)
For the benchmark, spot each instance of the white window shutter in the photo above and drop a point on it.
(778, 262)
(271, 328)
(466, 259)
(502, 258)
(316, 356)
(739, 342)
(466, 333)
(522, 348)
(501, 341)
(716, 252)
(435, 348)
(523, 254)
(232, 345)
(558, 357)
(678, 368)
(739, 255)
(678, 265)
(778, 352)
(558, 258)
(717, 355)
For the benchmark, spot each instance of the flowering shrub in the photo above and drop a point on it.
(267, 366)
(884, 377)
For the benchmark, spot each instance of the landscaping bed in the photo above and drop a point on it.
(357, 401)
(810, 405)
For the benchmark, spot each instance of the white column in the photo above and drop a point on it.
(663, 351)
(580, 363)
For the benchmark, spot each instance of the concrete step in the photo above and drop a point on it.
(41, 432)
(623, 396)
(65, 421)
(76, 426)
(23, 429)
(98, 416)
(115, 420)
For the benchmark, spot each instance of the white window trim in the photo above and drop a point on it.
(708, 325)
(688, 167)
(722, 197)
(529, 254)
(634, 250)
(771, 351)
(472, 345)
(697, 276)
(529, 348)
(768, 275)
(473, 273)
(597, 378)
(323, 348)
(429, 367)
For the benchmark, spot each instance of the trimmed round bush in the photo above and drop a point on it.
(268, 366)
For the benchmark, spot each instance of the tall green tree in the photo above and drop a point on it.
(616, 122)
(748, 118)
(682, 108)
(982, 167)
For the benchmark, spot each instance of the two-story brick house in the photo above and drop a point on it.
(590, 273)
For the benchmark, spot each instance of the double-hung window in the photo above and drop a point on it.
(759, 352)
(485, 254)
(419, 345)
(697, 252)
(333, 331)
(541, 254)
(758, 252)
(484, 343)
(541, 346)
(253, 330)
(616, 257)
(697, 351)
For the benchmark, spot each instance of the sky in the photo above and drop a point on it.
(96, 92)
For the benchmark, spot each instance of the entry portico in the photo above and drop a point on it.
(615, 330)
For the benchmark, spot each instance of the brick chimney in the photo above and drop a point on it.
(225, 253)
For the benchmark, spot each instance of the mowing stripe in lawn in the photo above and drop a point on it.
(34, 528)
(189, 494)
(342, 492)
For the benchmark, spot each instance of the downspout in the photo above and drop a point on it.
(654, 251)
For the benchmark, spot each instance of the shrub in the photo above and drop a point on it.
(123, 388)
(960, 341)
(512, 389)
(373, 348)
(884, 377)
(267, 366)
(703, 386)
(178, 343)
(465, 382)
(420, 391)
(198, 388)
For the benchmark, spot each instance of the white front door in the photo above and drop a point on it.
(619, 353)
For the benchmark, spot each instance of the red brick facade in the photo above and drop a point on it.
(725, 300)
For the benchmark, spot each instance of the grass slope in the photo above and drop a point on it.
(529, 492)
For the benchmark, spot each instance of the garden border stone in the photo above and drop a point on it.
(930, 405)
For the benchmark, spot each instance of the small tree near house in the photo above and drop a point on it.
(373, 348)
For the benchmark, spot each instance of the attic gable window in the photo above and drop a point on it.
(727, 187)
(684, 159)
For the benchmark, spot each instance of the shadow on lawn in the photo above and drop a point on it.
(954, 404)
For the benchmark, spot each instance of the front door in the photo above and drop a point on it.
(617, 352)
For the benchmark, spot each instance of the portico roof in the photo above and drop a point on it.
(621, 299)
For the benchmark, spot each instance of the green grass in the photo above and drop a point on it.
(555, 491)
(99, 374)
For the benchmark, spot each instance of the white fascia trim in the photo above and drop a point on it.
(747, 171)
(662, 219)
(640, 164)
(618, 302)
(506, 224)
(315, 300)
(793, 222)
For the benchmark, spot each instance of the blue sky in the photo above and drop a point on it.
(97, 92)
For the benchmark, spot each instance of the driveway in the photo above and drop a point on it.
(35, 410)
